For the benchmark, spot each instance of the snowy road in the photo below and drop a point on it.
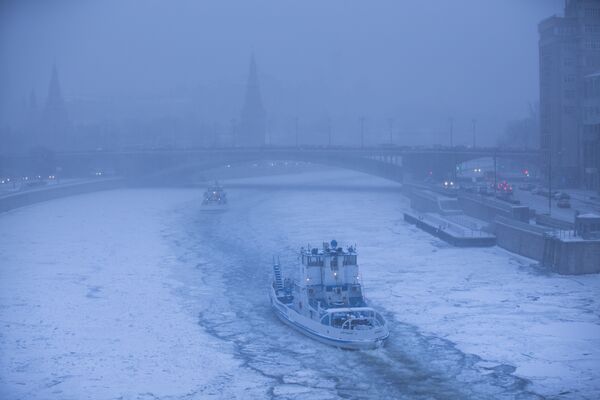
(139, 294)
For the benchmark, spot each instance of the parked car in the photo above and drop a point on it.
(508, 197)
(543, 192)
(527, 186)
(562, 195)
(484, 191)
(468, 188)
(563, 203)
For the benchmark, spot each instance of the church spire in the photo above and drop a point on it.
(253, 125)
(55, 121)
(54, 92)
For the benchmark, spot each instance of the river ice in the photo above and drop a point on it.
(140, 294)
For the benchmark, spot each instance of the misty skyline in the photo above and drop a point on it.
(417, 62)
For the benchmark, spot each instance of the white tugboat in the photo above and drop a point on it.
(215, 198)
(327, 304)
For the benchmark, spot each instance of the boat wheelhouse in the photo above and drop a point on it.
(327, 302)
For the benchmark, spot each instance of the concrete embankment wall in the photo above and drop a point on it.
(565, 256)
(510, 224)
(445, 235)
(26, 198)
(488, 209)
(572, 257)
(424, 200)
(548, 221)
(478, 209)
(519, 238)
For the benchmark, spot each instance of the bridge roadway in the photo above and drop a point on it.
(158, 164)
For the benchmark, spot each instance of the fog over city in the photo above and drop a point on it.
(298, 200)
(419, 63)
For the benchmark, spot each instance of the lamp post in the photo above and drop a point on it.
(329, 131)
(233, 133)
(549, 180)
(452, 149)
(362, 132)
(495, 172)
(296, 129)
(451, 132)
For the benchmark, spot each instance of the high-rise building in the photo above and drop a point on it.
(569, 52)
(591, 132)
(54, 126)
(253, 119)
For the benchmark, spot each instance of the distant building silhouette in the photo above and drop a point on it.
(253, 119)
(30, 123)
(569, 51)
(54, 126)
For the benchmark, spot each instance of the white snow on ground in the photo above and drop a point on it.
(96, 302)
(87, 308)
(488, 301)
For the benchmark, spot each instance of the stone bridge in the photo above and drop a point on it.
(388, 162)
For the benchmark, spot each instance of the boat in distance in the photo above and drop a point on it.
(327, 302)
(214, 198)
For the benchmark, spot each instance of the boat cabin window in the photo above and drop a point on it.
(338, 319)
(325, 320)
(350, 260)
(312, 261)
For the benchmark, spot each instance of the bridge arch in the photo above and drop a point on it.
(172, 172)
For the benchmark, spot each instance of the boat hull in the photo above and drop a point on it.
(214, 207)
(344, 339)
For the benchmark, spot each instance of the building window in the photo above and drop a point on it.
(592, 12)
(567, 30)
(592, 28)
(593, 44)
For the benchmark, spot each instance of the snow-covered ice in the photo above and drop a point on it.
(138, 293)
(88, 308)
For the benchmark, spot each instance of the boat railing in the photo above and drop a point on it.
(353, 319)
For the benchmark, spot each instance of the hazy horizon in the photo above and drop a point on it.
(419, 63)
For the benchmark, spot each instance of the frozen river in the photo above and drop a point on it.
(140, 294)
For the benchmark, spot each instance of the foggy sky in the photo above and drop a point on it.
(420, 62)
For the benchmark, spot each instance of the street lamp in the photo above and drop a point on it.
(233, 133)
(549, 180)
(329, 131)
(451, 132)
(362, 132)
(296, 129)
(495, 172)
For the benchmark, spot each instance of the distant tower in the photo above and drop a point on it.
(54, 125)
(253, 120)
(31, 120)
